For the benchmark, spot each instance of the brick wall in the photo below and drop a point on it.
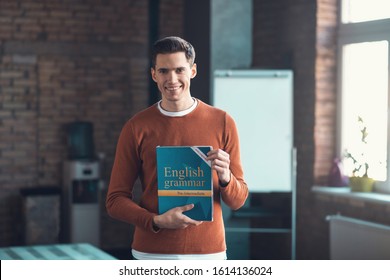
(171, 18)
(326, 93)
(62, 61)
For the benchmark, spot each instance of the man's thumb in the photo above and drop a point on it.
(187, 207)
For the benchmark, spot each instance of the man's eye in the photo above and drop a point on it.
(162, 71)
(179, 70)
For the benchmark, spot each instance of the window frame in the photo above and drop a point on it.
(359, 32)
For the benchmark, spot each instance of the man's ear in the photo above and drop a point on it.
(153, 74)
(193, 71)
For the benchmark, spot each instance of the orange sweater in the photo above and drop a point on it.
(136, 158)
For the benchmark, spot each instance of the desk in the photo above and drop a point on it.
(77, 251)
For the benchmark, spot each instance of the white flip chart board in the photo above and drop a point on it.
(261, 103)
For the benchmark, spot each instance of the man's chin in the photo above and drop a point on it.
(172, 96)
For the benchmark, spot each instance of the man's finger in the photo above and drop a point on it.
(186, 207)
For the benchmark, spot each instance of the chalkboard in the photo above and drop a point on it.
(261, 103)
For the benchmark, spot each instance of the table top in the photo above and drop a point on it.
(76, 251)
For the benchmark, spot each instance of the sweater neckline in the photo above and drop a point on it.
(180, 113)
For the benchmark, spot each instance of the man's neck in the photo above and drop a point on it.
(177, 113)
(177, 106)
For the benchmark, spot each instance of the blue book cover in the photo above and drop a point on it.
(184, 177)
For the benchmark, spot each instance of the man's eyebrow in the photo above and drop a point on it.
(174, 68)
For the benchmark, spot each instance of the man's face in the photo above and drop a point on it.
(173, 75)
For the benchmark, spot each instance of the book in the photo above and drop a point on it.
(184, 177)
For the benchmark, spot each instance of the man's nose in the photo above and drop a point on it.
(172, 76)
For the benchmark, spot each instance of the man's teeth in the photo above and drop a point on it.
(173, 88)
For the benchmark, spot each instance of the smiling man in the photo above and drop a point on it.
(177, 119)
(173, 73)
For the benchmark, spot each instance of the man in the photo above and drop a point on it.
(177, 120)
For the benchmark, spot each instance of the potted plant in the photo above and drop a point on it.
(360, 181)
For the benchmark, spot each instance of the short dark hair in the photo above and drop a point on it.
(173, 44)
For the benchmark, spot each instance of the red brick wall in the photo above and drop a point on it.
(18, 123)
(62, 61)
(74, 21)
(326, 93)
(171, 18)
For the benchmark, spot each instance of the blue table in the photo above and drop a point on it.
(77, 251)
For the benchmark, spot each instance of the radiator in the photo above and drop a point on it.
(353, 239)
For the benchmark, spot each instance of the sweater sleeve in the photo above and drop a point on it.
(119, 200)
(236, 192)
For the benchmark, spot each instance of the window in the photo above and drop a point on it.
(364, 37)
(364, 10)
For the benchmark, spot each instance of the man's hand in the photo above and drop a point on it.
(175, 219)
(220, 162)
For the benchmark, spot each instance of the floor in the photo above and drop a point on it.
(120, 254)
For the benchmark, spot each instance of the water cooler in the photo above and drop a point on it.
(81, 183)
